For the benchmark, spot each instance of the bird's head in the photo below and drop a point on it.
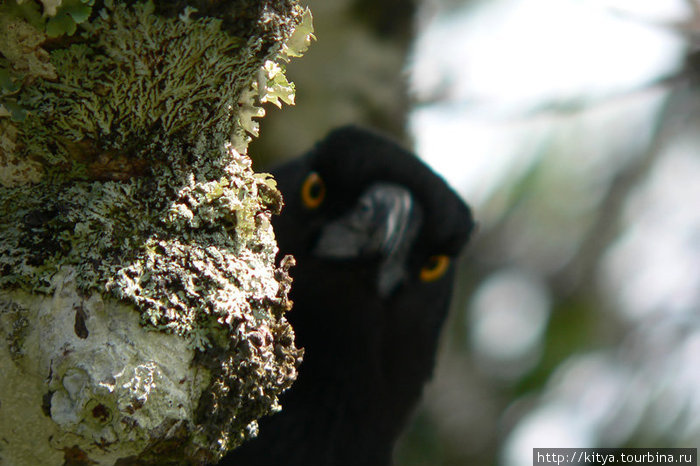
(361, 202)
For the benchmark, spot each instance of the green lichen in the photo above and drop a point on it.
(114, 93)
(131, 99)
(26, 25)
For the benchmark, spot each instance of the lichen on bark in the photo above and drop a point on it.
(125, 191)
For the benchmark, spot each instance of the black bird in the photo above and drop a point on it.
(374, 232)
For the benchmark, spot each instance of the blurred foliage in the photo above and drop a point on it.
(614, 365)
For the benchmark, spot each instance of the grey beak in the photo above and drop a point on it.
(383, 225)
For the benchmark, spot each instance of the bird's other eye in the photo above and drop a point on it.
(434, 268)
(313, 191)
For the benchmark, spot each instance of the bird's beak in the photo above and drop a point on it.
(381, 225)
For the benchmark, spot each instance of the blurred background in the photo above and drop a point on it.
(571, 128)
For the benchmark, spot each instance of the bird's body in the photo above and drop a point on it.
(373, 231)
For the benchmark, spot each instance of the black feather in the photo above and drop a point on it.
(366, 357)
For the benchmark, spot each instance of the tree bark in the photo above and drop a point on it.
(141, 308)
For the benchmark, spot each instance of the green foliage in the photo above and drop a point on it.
(56, 20)
(29, 11)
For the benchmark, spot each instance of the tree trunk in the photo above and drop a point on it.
(141, 309)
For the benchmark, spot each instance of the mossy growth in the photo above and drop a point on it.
(123, 132)
(105, 100)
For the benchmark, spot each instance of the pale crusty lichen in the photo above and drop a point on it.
(125, 182)
(201, 269)
(83, 373)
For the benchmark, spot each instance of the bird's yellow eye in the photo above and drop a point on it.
(434, 268)
(313, 191)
